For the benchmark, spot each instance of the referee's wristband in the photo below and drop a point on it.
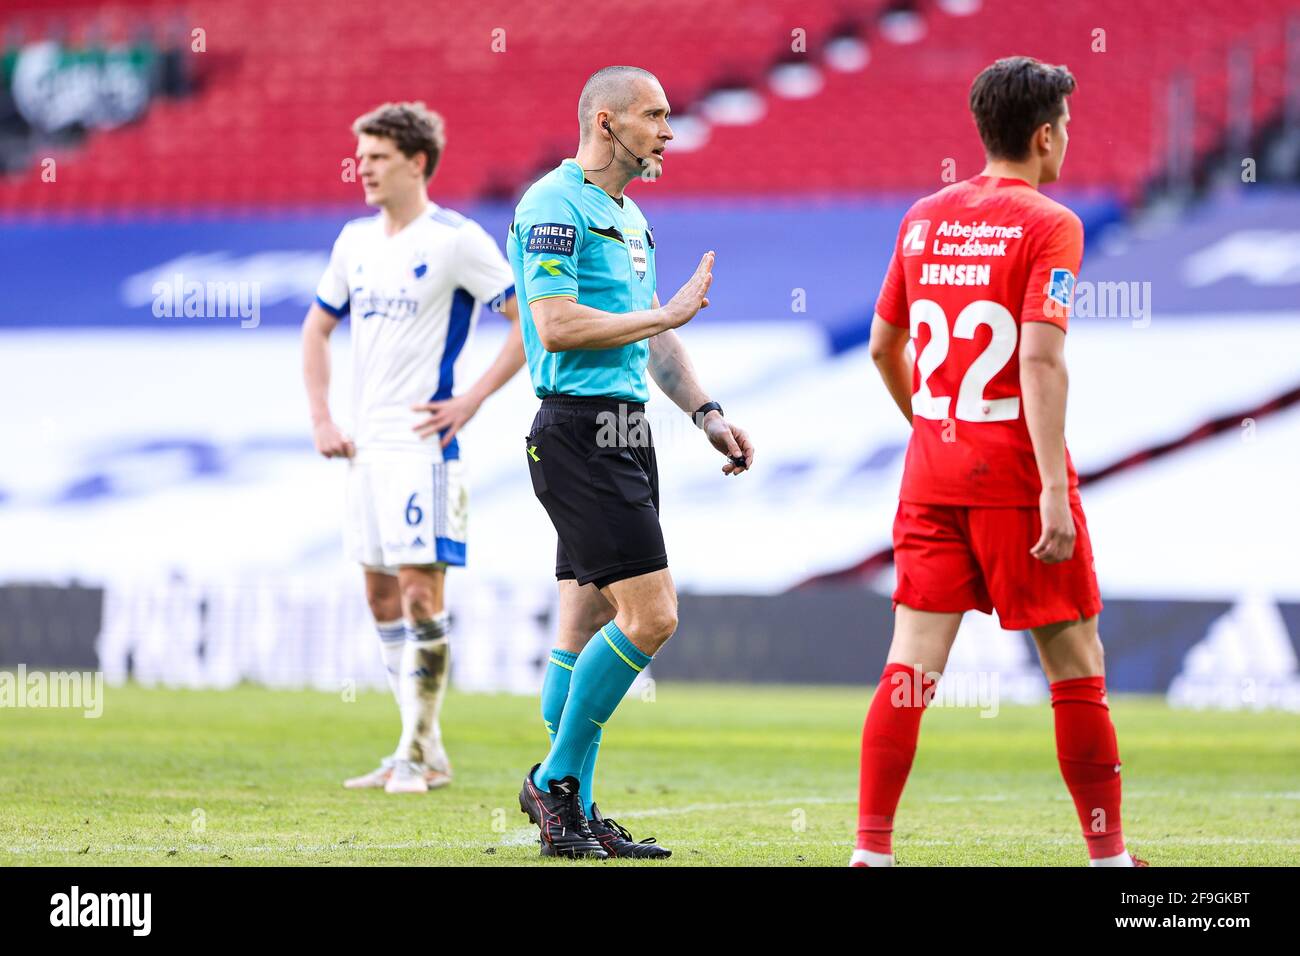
(703, 410)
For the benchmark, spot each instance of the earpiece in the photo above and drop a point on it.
(604, 124)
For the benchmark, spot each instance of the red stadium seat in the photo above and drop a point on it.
(271, 124)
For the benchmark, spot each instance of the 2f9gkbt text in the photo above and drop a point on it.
(1173, 896)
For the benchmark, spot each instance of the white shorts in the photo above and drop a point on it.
(405, 512)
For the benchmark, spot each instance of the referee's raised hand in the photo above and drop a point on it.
(692, 296)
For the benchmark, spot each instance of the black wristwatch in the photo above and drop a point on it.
(703, 410)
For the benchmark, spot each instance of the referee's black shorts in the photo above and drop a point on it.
(592, 462)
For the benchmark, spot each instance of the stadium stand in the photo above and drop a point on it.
(252, 135)
(795, 166)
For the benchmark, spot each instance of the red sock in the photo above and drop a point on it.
(1089, 758)
(888, 746)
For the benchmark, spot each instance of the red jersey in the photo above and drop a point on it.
(972, 263)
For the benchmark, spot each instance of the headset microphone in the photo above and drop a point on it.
(640, 160)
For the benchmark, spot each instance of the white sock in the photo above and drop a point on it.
(871, 859)
(1121, 859)
(392, 635)
(426, 659)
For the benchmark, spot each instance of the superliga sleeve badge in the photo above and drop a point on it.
(1060, 287)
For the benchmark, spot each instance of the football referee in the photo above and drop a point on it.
(584, 262)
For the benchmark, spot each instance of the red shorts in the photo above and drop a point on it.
(957, 558)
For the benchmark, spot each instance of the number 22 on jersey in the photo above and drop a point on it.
(971, 403)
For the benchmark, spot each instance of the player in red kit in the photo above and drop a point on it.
(989, 517)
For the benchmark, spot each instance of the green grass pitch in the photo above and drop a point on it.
(721, 774)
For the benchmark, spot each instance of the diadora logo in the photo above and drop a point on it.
(914, 238)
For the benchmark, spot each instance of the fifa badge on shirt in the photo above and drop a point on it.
(636, 249)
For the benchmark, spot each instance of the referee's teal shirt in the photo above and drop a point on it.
(570, 238)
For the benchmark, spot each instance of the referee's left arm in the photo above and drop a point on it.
(673, 372)
(671, 368)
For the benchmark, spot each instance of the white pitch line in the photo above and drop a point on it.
(1063, 796)
(1154, 844)
(792, 802)
(294, 848)
(903, 845)
(525, 836)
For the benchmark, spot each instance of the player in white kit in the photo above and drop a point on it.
(410, 280)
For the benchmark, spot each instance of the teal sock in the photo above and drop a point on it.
(555, 688)
(555, 691)
(601, 676)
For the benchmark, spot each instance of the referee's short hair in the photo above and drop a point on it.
(413, 127)
(609, 88)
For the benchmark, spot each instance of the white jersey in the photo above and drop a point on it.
(413, 300)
